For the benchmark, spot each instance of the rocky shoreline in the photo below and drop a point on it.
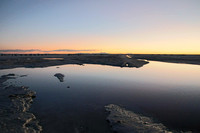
(33, 61)
(124, 121)
(15, 102)
(119, 60)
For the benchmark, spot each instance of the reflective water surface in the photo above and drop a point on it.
(170, 93)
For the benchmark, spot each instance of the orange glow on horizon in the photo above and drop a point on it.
(106, 52)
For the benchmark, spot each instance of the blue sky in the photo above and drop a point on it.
(115, 26)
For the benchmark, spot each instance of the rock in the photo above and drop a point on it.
(8, 75)
(15, 103)
(23, 75)
(124, 121)
(60, 77)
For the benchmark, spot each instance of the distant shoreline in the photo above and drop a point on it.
(32, 61)
(118, 60)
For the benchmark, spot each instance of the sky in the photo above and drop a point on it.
(100, 26)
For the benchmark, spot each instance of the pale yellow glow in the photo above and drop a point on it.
(149, 44)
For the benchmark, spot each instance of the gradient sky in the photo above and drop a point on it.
(112, 26)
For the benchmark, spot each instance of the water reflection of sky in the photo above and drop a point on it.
(169, 92)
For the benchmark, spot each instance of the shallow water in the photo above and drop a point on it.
(170, 93)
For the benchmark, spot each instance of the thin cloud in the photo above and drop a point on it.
(73, 50)
(19, 50)
(38, 50)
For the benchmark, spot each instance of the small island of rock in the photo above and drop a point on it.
(60, 77)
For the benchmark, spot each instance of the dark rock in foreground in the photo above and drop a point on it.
(60, 77)
(15, 103)
(123, 121)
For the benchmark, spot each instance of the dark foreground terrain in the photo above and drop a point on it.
(15, 102)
